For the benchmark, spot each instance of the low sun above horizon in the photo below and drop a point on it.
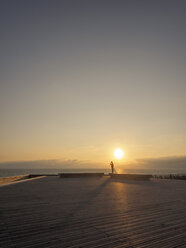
(118, 153)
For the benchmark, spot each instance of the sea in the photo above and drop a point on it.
(16, 172)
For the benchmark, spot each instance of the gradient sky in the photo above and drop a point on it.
(79, 78)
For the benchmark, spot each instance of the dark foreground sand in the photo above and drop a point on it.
(93, 212)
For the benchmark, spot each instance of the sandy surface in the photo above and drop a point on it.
(5, 180)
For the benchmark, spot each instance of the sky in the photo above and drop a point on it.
(79, 78)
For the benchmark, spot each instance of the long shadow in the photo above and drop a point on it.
(89, 198)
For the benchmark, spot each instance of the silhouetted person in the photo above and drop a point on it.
(112, 166)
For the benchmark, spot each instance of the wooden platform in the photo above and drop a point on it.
(93, 212)
(138, 177)
(81, 174)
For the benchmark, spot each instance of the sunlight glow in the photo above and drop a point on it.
(118, 153)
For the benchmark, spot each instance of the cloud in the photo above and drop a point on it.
(49, 164)
(145, 163)
(163, 162)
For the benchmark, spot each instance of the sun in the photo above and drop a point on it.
(118, 153)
